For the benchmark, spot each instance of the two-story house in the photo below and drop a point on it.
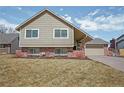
(48, 32)
(120, 42)
(120, 45)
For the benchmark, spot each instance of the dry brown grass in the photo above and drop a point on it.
(56, 72)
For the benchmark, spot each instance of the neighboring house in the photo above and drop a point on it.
(47, 32)
(96, 46)
(120, 44)
(8, 42)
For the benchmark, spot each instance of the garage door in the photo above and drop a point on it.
(94, 51)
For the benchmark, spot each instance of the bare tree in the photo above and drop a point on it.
(3, 28)
(10, 30)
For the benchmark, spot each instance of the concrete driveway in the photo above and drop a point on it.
(115, 62)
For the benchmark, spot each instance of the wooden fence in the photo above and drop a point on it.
(3, 50)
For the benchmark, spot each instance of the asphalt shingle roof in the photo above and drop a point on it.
(7, 38)
(97, 41)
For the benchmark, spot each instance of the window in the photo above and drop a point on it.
(34, 50)
(2, 46)
(61, 51)
(64, 33)
(57, 33)
(60, 33)
(32, 33)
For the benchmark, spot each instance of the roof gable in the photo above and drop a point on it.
(39, 14)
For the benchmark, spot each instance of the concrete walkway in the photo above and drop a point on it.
(115, 62)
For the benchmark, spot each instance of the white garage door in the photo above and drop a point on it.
(94, 51)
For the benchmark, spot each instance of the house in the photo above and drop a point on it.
(120, 45)
(47, 32)
(8, 42)
(96, 46)
(120, 42)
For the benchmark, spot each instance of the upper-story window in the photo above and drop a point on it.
(32, 33)
(61, 33)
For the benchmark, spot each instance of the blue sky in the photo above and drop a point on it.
(103, 22)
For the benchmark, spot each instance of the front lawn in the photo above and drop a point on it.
(56, 72)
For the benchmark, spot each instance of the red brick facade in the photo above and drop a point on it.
(50, 52)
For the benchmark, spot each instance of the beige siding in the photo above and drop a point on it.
(46, 23)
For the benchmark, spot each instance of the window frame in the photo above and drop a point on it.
(32, 37)
(61, 54)
(34, 50)
(60, 37)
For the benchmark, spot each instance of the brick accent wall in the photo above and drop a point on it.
(77, 54)
(48, 49)
(50, 52)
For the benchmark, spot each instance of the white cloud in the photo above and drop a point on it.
(6, 23)
(116, 7)
(104, 23)
(121, 8)
(100, 19)
(112, 7)
(3, 13)
(61, 9)
(19, 8)
(86, 24)
(94, 12)
(68, 18)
